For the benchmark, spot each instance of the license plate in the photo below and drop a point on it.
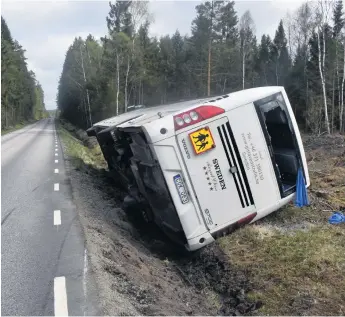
(181, 189)
(202, 140)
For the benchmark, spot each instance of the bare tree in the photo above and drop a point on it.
(87, 91)
(139, 14)
(79, 58)
(247, 30)
(322, 14)
(341, 114)
(210, 30)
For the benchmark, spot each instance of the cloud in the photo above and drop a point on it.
(47, 28)
(172, 15)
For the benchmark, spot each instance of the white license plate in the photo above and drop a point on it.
(181, 189)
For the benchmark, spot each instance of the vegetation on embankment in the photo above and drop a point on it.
(79, 152)
(294, 257)
(292, 260)
(14, 128)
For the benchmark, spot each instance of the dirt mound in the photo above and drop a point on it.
(211, 269)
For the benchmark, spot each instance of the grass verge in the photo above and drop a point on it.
(79, 154)
(16, 127)
(294, 258)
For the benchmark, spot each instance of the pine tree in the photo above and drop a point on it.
(130, 67)
(21, 94)
(280, 55)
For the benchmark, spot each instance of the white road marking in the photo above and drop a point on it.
(56, 171)
(56, 161)
(60, 296)
(56, 187)
(56, 154)
(57, 217)
(84, 280)
(56, 150)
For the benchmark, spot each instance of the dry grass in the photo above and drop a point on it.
(16, 127)
(79, 154)
(294, 258)
(292, 275)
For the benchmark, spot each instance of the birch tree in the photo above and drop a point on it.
(247, 30)
(138, 11)
(85, 82)
(321, 20)
(341, 112)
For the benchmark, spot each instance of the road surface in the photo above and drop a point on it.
(44, 267)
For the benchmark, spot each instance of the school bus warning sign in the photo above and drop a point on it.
(202, 140)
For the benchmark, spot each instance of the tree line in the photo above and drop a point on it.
(22, 97)
(128, 66)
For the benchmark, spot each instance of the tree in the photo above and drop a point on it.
(321, 21)
(22, 96)
(338, 25)
(247, 30)
(222, 55)
(280, 55)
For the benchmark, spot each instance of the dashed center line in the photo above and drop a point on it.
(56, 171)
(56, 150)
(56, 154)
(60, 296)
(57, 217)
(56, 161)
(56, 187)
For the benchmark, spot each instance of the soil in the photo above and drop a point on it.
(140, 272)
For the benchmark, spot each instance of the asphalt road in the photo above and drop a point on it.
(44, 262)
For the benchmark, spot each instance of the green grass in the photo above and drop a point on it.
(294, 270)
(18, 126)
(282, 267)
(79, 154)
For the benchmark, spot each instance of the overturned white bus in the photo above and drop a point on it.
(200, 169)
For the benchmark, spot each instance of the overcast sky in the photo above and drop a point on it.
(47, 28)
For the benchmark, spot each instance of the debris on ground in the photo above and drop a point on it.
(336, 218)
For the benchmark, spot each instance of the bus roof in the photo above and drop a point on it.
(234, 99)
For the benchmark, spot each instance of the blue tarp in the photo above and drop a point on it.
(336, 218)
(301, 198)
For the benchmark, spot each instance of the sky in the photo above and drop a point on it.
(47, 28)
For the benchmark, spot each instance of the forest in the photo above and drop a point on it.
(22, 97)
(101, 78)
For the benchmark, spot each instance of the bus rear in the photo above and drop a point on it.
(231, 163)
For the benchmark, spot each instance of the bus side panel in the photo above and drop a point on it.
(255, 155)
